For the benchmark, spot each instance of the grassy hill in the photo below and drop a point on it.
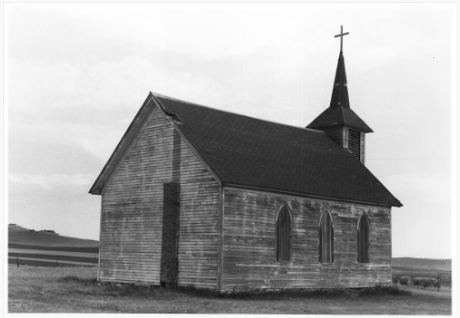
(18, 235)
(47, 248)
(422, 263)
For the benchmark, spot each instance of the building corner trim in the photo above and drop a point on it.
(220, 240)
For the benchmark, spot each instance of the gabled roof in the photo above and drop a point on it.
(250, 152)
(339, 112)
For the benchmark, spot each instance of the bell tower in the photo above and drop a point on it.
(339, 121)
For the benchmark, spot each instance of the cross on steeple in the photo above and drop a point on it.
(341, 37)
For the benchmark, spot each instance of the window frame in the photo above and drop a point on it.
(358, 236)
(320, 238)
(291, 220)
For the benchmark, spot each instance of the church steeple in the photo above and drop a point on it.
(340, 89)
(339, 121)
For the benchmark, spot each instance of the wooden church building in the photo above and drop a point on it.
(195, 196)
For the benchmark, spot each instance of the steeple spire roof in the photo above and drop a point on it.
(340, 89)
(339, 112)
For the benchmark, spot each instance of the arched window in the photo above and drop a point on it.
(283, 234)
(326, 238)
(364, 227)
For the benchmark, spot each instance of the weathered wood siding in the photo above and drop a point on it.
(132, 211)
(249, 251)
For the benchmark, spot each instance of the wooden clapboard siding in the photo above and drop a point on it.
(198, 249)
(132, 211)
(249, 243)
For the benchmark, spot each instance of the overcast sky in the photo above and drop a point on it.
(78, 73)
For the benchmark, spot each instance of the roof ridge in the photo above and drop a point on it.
(229, 112)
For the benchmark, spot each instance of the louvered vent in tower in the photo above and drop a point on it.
(354, 143)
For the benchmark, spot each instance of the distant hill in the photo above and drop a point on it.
(48, 248)
(422, 263)
(18, 235)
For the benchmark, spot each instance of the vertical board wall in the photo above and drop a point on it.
(132, 211)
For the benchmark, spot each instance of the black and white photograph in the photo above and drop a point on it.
(229, 158)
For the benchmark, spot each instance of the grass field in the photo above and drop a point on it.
(75, 290)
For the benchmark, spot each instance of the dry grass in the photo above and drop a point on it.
(75, 290)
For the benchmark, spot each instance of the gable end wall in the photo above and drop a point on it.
(132, 211)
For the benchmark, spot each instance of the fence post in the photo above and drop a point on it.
(17, 261)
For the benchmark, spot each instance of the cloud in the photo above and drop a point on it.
(47, 181)
(34, 84)
(45, 87)
(90, 105)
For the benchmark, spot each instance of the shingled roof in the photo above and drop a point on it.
(249, 152)
(339, 116)
(339, 112)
